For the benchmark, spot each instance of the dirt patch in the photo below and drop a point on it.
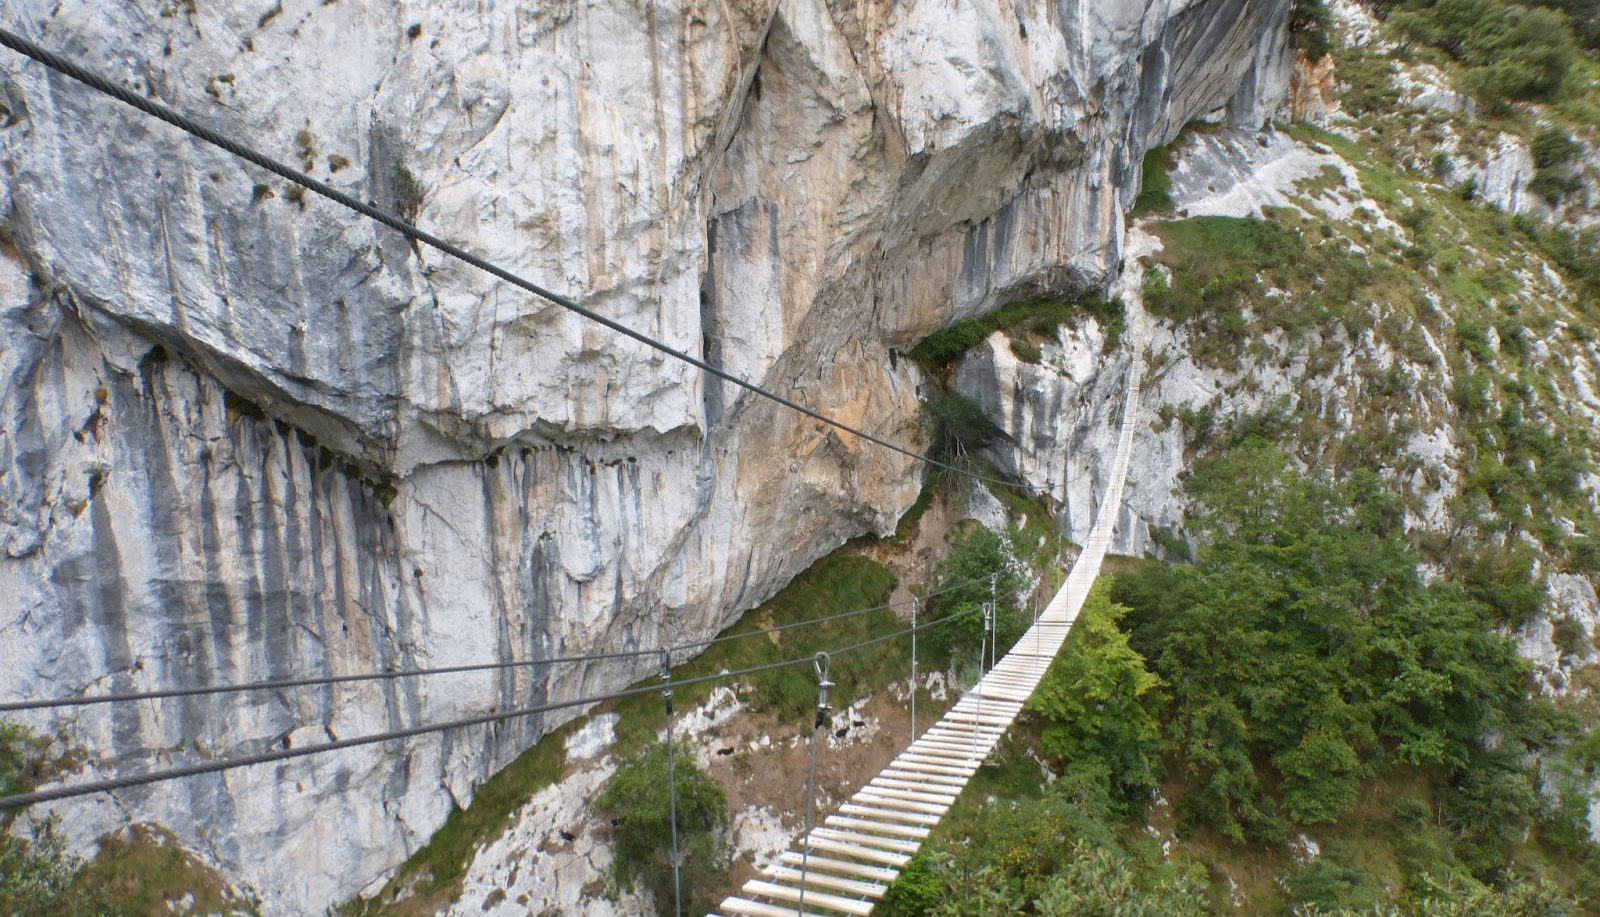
(768, 766)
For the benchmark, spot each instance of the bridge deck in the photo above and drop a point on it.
(856, 854)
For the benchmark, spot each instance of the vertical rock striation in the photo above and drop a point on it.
(250, 436)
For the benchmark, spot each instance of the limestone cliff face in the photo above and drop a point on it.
(248, 435)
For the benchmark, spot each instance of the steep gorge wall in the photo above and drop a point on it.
(249, 436)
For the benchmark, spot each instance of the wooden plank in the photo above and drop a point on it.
(963, 732)
(859, 852)
(818, 879)
(891, 802)
(965, 761)
(869, 840)
(819, 898)
(922, 777)
(888, 814)
(949, 742)
(932, 789)
(954, 758)
(875, 827)
(903, 793)
(736, 905)
(931, 768)
(882, 874)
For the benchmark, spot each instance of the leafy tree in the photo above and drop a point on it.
(637, 799)
(962, 584)
(1490, 804)
(1310, 28)
(1100, 703)
(1305, 654)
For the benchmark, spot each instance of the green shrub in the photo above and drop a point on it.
(1310, 27)
(36, 876)
(1040, 316)
(916, 892)
(637, 799)
(976, 556)
(1554, 147)
(1304, 650)
(25, 759)
(955, 427)
(407, 193)
(1059, 854)
(1329, 882)
(1026, 351)
(1511, 51)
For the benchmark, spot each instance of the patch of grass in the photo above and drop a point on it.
(144, 871)
(1155, 184)
(1037, 316)
(432, 875)
(1027, 351)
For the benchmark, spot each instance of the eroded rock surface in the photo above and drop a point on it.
(249, 436)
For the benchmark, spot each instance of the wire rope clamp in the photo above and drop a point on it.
(822, 663)
(666, 675)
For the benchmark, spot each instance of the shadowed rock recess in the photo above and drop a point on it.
(248, 435)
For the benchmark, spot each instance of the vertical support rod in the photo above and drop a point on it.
(822, 663)
(913, 668)
(672, 787)
(994, 610)
(977, 716)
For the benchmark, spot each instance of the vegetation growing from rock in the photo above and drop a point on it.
(954, 428)
(1038, 316)
(138, 871)
(1155, 184)
(637, 799)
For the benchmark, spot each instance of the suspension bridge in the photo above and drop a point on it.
(841, 867)
(848, 864)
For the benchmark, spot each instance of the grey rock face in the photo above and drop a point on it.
(248, 435)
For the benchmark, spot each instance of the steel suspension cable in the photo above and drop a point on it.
(325, 680)
(19, 800)
(198, 130)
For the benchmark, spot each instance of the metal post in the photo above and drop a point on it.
(822, 663)
(993, 610)
(913, 668)
(977, 716)
(672, 787)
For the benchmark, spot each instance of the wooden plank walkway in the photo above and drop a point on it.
(857, 853)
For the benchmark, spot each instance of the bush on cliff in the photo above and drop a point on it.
(637, 800)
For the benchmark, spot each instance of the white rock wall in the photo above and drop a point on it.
(247, 436)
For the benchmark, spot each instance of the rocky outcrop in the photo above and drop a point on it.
(1312, 88)
(248, 435)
